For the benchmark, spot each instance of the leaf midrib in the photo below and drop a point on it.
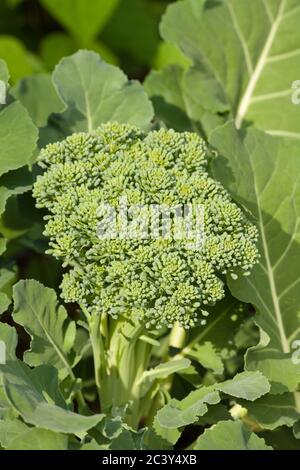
(270, 273)
(86, 99)
(246, 98)
(52, 341)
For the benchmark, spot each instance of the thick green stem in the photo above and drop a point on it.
(177, 337)
(120, 358)
(176, 340)
(98, 351)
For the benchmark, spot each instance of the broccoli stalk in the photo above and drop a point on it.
(132, 287)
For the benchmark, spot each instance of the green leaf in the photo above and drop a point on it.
(202, 94)
(16, 435)
(96, 92)
(177, 414)
(247, 385)
(9, 337)
(7, 279)
(13, 3)
(3, 242)
(281, 439)
(215, 413)
(93, 445)
(186, 99)
(225, 319)
(128, 440)
(105, 53)
(82, 18)
(54, 47)
(4, 299)
(17, 218)
(39, 439)
(164, 370)
(120, 435)
(132, 31)
(34, 394)
(8, 345)
(165, 89)
(162, 437)
(53, 334)
(11, 429)
(272, 411)
(296, 430)
(38, 96)
(207, 356)
(13, 183)
(168, 54)
(31, 386)
(57, 45)
(16, 57)
(245, 49)
(257, 170)
(18, 137)
(230, 435)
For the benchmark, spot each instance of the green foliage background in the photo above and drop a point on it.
(36, 34)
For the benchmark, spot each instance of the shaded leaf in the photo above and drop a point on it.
(272, 411)
(38, 96)
(165, 88)
(230, 435)
(281, 439)
(132, 31)
(207, 356)
(249, 385)
(14, 183)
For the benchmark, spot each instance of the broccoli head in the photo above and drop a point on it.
(158, 280)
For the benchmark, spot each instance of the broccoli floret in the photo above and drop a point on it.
(159, 281)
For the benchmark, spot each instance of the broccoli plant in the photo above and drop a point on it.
(149, 241)
(132, 286)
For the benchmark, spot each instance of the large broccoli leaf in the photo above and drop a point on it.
(262, 173)
(96, 92)
(248, 52)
